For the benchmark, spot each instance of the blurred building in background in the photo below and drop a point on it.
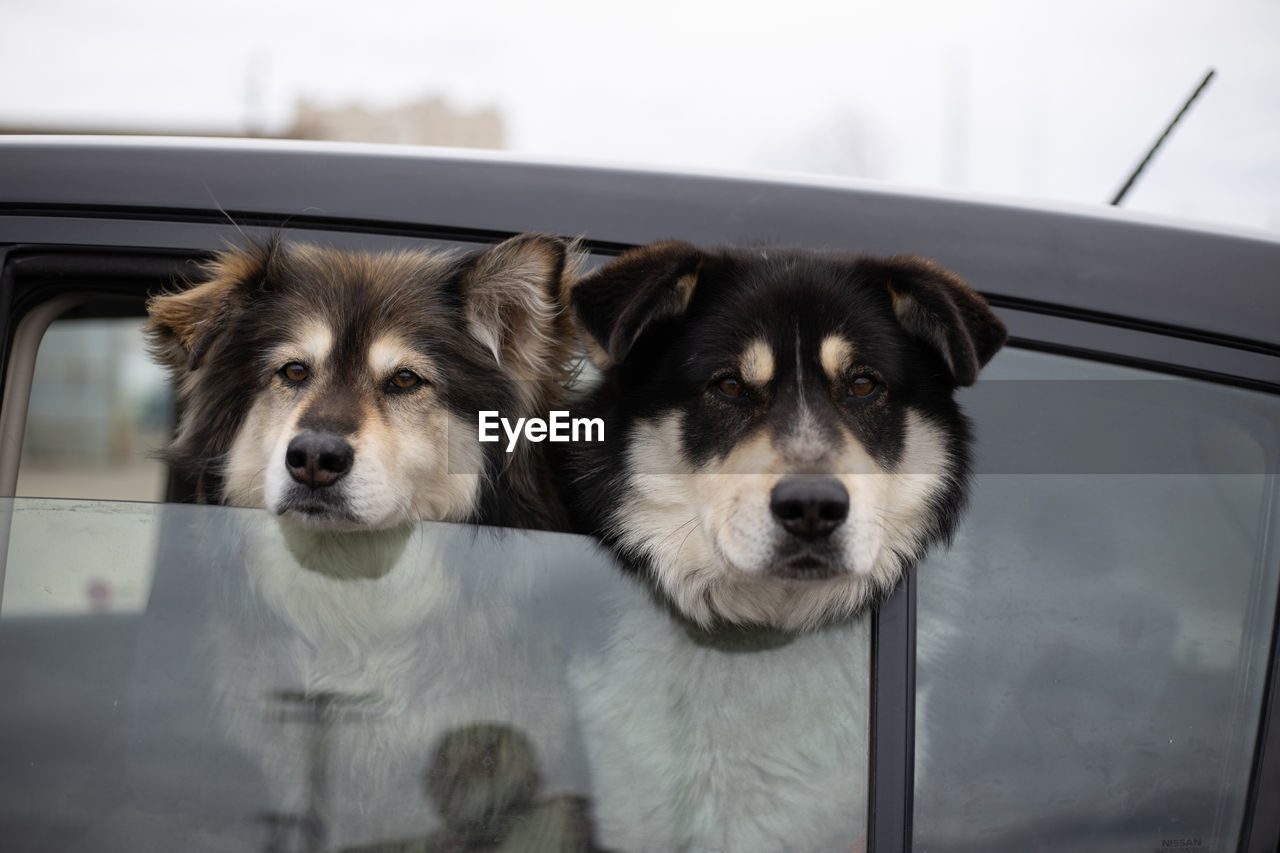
(427, 121)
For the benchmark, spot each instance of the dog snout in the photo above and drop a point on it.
(810, 507)
(318, 459)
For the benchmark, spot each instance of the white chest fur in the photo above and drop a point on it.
(699, 748)
(416, 637)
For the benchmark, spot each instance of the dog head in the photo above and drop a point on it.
(787, 439)
(340, 389)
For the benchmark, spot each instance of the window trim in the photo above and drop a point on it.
(24, 342)
(891, 769)
(1260, 832)
(19, 376)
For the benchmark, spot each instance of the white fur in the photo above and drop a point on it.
(315, 340)
(389, 353)
(694, 748)
(835, 355)
(710, 534)
(699, 749)
(423, 463)
(757, 364)
(391, 616)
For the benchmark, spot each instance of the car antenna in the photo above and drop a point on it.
(1115, 202)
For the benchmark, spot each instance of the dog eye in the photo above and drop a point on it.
(403, 380)
(731, 387)
(295, 372)
(862, 386)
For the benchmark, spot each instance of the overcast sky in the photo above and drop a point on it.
(1005, 97)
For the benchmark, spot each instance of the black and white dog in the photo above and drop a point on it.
(781, 445)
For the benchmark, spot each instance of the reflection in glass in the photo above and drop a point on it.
(267, 699)
(730, 738)
(1092, 650)
(439, 687)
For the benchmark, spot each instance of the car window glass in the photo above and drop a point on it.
(1092, 651)
(186, 677)
(99, 411)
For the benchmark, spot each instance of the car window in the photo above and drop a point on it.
(186, 677)
(99, 411)
(1092, 651)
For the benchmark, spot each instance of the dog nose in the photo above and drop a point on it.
(811, 507)
(318, 459)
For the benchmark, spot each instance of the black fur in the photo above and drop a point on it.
(671, 320)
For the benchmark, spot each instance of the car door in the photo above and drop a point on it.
(1091, 665)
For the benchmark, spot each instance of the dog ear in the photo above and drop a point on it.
(617, 302)
(512, 302)
(939, 308)
(184, 325)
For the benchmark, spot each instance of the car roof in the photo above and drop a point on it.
(1219, 283)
